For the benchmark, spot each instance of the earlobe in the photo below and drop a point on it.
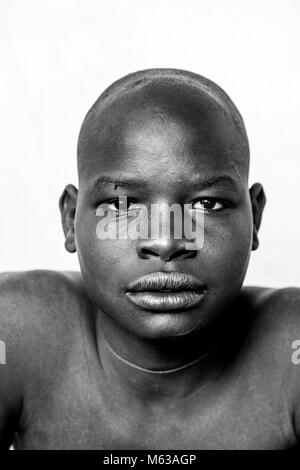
(255, 240)
(258, 201)
(67, 205)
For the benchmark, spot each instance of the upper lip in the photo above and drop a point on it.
(166, 282)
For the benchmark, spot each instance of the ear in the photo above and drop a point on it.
(258, 201)
(67, 205)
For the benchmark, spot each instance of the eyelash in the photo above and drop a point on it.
(117, 199)
(225, 204)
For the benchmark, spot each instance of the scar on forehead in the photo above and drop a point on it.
(196, 181)
(236, 169)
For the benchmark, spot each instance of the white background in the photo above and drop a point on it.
(57, 56)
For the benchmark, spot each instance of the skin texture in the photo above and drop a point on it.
(69, 391)
(163, 135)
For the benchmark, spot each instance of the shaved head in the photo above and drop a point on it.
(181, 97)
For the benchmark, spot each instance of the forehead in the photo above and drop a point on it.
(162, 129)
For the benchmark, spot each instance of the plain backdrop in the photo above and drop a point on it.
(57, 56)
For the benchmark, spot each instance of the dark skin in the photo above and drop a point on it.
(63, 388)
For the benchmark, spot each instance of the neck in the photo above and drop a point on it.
(157, 371)
(157, 368)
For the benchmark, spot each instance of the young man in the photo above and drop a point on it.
(155, 344)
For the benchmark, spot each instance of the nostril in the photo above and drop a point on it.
(165, 253)
(183, 254)
(146, 253)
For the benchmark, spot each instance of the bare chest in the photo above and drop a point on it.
(76, 414)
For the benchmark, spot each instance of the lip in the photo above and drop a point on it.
(161, 291)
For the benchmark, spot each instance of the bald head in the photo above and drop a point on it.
(167, 99)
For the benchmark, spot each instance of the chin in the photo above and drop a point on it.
(164, 326)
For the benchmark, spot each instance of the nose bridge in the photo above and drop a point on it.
(166, 221)
(166, 236)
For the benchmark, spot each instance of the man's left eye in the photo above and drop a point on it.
(208, 205)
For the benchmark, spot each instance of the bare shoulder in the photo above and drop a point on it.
(24, 292)
(275, 314)
(37, 313)
(276, 318)
(35, 305)
(279, 308)
(30, 282)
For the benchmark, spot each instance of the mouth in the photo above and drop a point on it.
(162, 291)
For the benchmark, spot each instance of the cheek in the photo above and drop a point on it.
(227, 248)
(102, 261)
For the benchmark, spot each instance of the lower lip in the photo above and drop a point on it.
(166, 301)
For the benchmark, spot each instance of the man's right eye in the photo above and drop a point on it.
(120, 205)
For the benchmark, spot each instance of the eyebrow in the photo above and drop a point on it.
(225, 181)
(105, 180)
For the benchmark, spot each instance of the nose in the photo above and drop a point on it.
(165, 249)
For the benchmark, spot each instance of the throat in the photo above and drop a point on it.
(156, 370)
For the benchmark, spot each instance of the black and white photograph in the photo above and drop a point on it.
(150, 228)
